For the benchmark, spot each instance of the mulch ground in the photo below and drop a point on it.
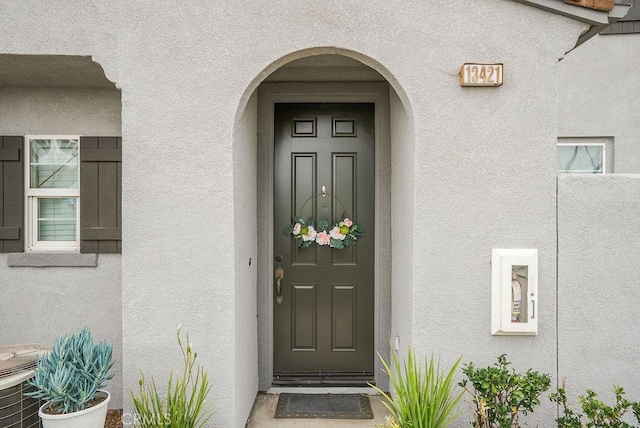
(114, 419)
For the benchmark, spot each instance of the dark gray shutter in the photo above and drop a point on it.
(100, 195)
(11, 195)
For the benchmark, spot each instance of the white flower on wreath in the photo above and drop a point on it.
(296, 228)
(310, 235)
(336, 234)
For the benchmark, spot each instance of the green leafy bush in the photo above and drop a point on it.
(184, 406)
(70, 375)
(596, 412)
(500, 394)
(423, 393)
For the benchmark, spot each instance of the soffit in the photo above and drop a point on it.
(52, 71)
(325, 68)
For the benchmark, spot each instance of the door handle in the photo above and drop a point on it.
(279, 276)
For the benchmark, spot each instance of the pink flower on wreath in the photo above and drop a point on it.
(347, 222)
(336, 234)
(296, 229)
(310, 235)
(323, 238)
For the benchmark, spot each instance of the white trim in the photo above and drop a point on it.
(604, 157)
(32, 196)
(365, 92)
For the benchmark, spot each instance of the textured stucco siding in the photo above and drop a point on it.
(245, 224)
(39, 303)
(485, 178)
(59, 111)
(600, 96)
(598, 285)
(480, 163)
(403, 189)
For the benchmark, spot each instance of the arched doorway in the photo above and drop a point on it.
(323, 76)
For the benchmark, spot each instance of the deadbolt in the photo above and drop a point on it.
(279, 258)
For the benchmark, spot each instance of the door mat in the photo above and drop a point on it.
(324, 406)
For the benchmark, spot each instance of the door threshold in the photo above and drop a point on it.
(323, 379)
(367, 390)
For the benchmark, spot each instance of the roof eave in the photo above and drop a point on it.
(597, 20)
(619, 11)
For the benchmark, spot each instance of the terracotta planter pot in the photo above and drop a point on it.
(93, 417)
(603, 5)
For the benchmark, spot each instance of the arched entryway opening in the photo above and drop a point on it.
(330, 78)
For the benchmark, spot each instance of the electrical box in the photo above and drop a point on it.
(514, 292)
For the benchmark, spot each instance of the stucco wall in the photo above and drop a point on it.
(59, 111)
(403, 191)
(485, 178)
(484, 159)
(599, 96)
(598, 286)
(38, 304)
(244, 226)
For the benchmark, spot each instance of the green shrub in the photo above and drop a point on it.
(70, 375)
(184, 406)
(500, 395)
(596, 412)
(423, 393)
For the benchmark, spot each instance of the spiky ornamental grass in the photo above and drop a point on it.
(184, 406)
(70, 375)
(424, 395)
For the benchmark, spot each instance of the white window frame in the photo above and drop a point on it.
(31, 202)
(582, 144)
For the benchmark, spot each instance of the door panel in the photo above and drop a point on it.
(325, 321)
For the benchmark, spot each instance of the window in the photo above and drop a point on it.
(581, 158)
(60, 194)
(53, 193)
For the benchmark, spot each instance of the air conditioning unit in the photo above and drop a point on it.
(16, 368)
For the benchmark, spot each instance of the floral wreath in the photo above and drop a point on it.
(343, 234)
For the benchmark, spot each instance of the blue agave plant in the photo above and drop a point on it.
(69, 376)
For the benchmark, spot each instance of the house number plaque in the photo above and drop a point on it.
(481, 74)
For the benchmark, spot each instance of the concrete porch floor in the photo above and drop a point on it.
(264, 408)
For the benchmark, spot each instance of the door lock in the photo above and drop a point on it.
(279, 275)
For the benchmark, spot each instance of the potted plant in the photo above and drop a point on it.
(70, 378)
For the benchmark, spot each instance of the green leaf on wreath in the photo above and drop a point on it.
(288, 230)
(323, 225)
(336, 243)
(348, 241)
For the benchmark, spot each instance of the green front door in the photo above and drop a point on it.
(324, 313)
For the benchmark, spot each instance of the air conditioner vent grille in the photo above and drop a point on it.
(16, 410)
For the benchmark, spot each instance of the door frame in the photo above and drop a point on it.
(339, 92)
